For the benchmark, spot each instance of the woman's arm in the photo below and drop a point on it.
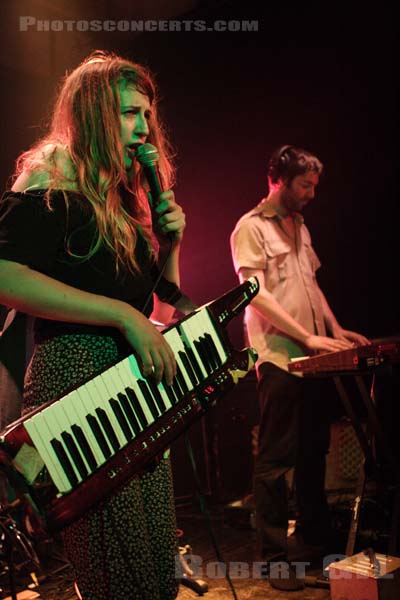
(170, 222)
(36, 294)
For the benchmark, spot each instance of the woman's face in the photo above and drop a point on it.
(135, 116)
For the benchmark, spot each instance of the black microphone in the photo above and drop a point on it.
(147, 155)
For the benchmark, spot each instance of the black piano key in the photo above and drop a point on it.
(213, 350)
(120, 416)
(98, 434)
(148, 398)
(74, 452)
(205, 359)
(181, 380)
(108, 428)
(188, 368)
(194, 363)
(130, 415)
(176, 388)
(179, 384)
(64, 462)
(84, 446)
(136, 406)
(156, 394)
(171, 393)
(208, 353)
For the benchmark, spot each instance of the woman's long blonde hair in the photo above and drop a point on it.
(85, 127)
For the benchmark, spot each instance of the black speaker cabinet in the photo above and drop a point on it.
(223, 447)
(343, 459)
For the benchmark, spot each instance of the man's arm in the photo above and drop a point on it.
(265, 303)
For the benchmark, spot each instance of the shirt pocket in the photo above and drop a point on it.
(279, 262)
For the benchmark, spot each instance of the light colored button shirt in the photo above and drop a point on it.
(281, 247)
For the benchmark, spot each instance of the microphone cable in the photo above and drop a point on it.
(158, 278)
(205, 512)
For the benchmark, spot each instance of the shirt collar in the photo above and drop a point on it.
(265, 209)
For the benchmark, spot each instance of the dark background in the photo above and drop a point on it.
(323, 77)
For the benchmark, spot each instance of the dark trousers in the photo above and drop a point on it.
(294, 432)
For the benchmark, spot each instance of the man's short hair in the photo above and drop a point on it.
(287, 162)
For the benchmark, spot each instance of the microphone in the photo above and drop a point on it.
(147, 155)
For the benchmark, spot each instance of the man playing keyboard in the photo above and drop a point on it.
(290, 317)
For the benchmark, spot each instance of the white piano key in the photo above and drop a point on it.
(67, 405)
(132, 382)
(57, 423)
(106, 395)
(99, 397)
(123, 377)
(197, 331)
(203, 324)
(210, 328)
(77, 401)
(164, 396)
(127, 374)
(131, 371)
(116, 385)
(40, 435)
(174, 339)
(190, 334)
(162, 392)
(67, 413)
(128, 380)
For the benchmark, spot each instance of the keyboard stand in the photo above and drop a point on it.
(369, 439)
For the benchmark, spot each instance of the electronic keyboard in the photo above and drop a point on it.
(358, 359)
(88, 442)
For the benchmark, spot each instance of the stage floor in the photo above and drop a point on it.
(236, 541)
